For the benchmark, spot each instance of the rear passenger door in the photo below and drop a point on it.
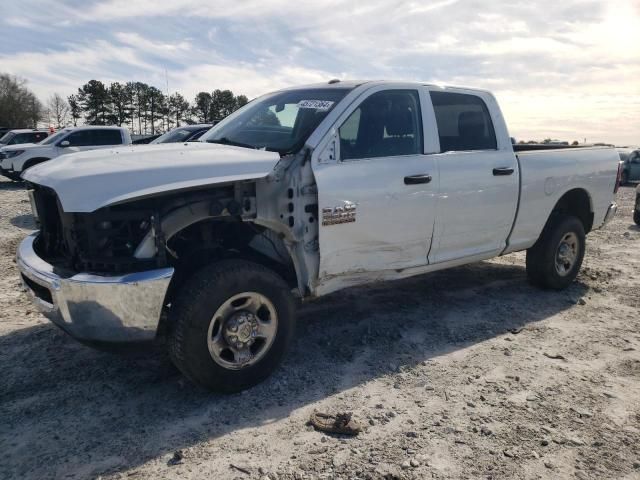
(478, 191)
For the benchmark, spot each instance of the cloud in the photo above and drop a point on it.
(556, 66)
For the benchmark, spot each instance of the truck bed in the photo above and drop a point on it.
(547, 175)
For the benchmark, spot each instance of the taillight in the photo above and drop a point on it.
(618, 177)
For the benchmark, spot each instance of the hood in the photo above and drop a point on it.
(20, 146)
(90, 180)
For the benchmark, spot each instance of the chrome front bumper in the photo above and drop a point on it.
(95, 308)
(611, 212)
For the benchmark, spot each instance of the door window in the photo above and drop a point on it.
(38, 137)
(386, 124)
(88, 138)
(106, 137)
(463, 122)
(20, 138)
(81, 138)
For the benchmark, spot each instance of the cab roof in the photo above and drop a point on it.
(351, 84)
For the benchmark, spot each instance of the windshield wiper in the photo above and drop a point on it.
(226, 141)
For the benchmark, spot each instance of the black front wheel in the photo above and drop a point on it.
(231, 324)
(555, 259)
(636, 211)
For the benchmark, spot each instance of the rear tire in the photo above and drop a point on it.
(555, 259)
(231, 324)
(636, 211)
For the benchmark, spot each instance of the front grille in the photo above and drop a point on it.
(106, 240)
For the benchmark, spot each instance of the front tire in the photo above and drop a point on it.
(555, 259)
(636, 211)
(231, 324)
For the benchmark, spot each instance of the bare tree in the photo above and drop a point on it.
(58, 110)
(19, 107)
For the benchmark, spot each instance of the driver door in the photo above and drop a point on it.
(377, 195)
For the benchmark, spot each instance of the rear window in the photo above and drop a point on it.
(463, 122)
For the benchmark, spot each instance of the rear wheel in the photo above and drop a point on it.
(231, 325)
(555, 259)
(636, 211)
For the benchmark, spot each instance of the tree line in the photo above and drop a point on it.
(143, 108)
(19, 107)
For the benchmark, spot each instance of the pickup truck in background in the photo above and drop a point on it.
(15, 159)
(301, 192)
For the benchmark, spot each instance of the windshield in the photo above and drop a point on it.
(281, 122)
(174, 136)
(54, 138)
(6, 138)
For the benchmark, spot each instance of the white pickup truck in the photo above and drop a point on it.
(15, 159)
(300, 193)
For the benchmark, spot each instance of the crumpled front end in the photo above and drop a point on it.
(95, 308)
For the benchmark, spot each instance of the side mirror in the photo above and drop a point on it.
(64, 143)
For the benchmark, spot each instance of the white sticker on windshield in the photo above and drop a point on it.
(320, 105)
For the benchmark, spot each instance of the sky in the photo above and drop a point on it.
(562, 69)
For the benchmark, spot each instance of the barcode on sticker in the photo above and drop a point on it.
(321, 105)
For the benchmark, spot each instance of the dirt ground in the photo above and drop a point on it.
(454, 375)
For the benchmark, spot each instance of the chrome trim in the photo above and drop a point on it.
(34, 208)
(611, 212)
(96, 308)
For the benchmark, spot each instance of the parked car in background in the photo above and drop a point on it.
(188, 133)
(144, 139)
(630, 167)
(23, 135)
(17, 158)
(301, 192)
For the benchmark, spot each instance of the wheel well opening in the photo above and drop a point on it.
(578, 203)
(211, 240)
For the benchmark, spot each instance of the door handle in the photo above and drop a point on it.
(416, 179)
(502, 171)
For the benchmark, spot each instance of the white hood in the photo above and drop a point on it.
(90, 180)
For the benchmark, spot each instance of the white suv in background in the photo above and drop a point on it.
(22, 136)
(17, 158)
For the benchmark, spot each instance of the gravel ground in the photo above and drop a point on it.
(452, 374)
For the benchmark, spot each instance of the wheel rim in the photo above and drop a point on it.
(242, 330)
(567, 254)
